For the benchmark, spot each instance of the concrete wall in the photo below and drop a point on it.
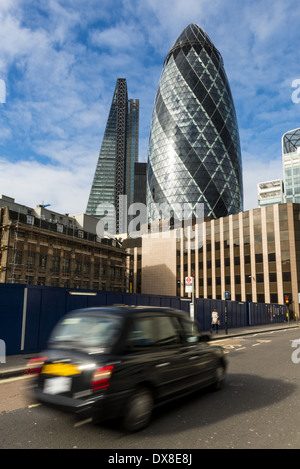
(159, 264)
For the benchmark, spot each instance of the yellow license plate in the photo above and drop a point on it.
(61, 369)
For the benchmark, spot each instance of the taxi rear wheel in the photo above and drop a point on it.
(138, 410)
(220, 374)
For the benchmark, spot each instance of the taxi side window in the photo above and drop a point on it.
(167, 330)
(141, 333)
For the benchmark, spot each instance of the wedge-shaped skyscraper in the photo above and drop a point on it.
(114, 175)
(194, 147)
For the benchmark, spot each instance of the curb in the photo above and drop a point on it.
(258, 331)
(12, 372)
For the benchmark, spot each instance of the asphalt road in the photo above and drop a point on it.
(258, 408)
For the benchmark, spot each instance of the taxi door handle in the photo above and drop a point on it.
(160, 365)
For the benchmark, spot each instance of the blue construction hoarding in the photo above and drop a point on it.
(29, 313)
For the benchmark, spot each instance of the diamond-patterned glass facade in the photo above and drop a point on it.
(291, 141)
(194, 148)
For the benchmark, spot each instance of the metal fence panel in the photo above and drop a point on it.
(29, 313)
(11, 316)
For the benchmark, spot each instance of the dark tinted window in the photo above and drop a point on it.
(141, 333)
(159, 331)
(167, 328)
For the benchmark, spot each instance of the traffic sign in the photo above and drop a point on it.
(189, 282)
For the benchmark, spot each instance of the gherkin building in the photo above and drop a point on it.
(194, 151)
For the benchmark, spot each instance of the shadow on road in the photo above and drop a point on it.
(241, 393)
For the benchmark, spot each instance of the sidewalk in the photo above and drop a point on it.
(16, 364)
(248, 330)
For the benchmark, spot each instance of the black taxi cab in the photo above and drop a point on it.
(121, 361)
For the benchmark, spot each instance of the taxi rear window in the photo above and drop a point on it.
(90, 331)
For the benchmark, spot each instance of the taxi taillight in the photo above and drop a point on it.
(35, 365)
(101, 377)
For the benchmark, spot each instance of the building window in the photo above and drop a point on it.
(55, 263)
(272, 257)
(66, 265)
(96, 270)
(86, 268)
(41, 281)
(43, 261)
(286, 276)
(274, 298)
(80, 234)
(260, 278)
(18, 258)
(55, 282)
(31, 258)
(258, 258)
(273, 277)
(30, 220)
(78, 266)
(60, 228)
(29, 280)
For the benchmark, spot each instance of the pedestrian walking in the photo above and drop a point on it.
(215, 321)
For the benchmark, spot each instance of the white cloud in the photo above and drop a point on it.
(123, 36)
(34, 183)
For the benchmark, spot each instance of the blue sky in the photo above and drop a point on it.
(60, 59)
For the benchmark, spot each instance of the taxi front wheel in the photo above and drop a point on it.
(138, 410)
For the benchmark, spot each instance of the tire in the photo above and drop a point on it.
(138, 410)
(220, 374)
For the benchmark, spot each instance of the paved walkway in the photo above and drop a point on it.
(16, 364)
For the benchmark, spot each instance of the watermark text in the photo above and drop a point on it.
(167, 219)
(2, 92)
(296, 93)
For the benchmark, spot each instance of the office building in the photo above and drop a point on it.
(114, 175)
(270, 192)
(194, 147)
(288, 189)
(253, 255)
(41, 247)
(291, 165)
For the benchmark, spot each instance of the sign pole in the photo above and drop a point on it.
(193, 303)
(189, 288)
(227, 296)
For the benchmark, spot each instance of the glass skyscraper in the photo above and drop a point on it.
(194, 147)
(291, 165)
(114, 175)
